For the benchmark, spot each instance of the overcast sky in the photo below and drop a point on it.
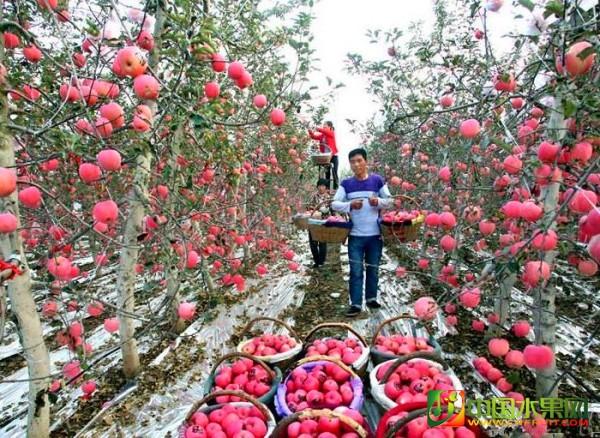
(340, 27)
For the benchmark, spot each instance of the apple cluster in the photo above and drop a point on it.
(411, 381)
(326, 427)
(268, 345)
(418, 428)
(391, 217)
(347, 350)
(243, 375)
(227, 422)
(400, 345)
(323, 386)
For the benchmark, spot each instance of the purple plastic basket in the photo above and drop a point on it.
(282, 408)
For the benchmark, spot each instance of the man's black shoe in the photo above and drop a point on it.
(353, 311)
(373, 304)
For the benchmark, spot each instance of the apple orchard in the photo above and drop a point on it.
(152, 156)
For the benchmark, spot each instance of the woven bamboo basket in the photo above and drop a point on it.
(321, 159)
(406, 231)
(274, 375)
(279, 360)
(380, 356)
(281, 429)
(360, 365)
(321, 233)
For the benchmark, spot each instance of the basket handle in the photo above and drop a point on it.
(213, 395)
(318, 358)
(433, 356)
(410, 199)
(389, 321)
(236, 354)
(268, 318)
(281, 428)
(336, 325)
(403, 421)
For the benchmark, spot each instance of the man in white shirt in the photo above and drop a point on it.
(363, 196)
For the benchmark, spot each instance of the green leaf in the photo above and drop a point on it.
(586, 52)
(199, 121)
(474, 9)
(527, 3)
(569, 107)
(513, 378)
(554, 7)
(513, 266)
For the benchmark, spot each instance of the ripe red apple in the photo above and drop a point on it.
(131, 62)
(574, 64)
(146, 87)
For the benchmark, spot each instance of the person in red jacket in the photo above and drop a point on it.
(326, 138)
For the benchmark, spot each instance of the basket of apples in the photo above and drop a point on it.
(393, 346)
(402, 226)
(247, 418)
(352, 351)
(319, 382)
(410, 421)
(334, 229)
(247, 373)
(276, 350)
(409, 378)
(324, 423)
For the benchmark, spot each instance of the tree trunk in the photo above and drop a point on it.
(173, 280)
(23, 305)
(21, 299)
(128, 259)
(208, 280)
(133, 227)
(544, 315)
(502, 302)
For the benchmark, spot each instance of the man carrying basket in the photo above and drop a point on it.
(363, 196)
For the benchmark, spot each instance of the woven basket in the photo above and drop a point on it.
(308, 363)
(321, 159)
(377, 386)
(360, 365)
(321, 233)
(275, 375)
(248, 401)
(281, 429)
(300, 221)
(402, 232)
(380, 356)
(406, 231)
(280, 360)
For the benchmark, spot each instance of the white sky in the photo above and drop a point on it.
(340, 27)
